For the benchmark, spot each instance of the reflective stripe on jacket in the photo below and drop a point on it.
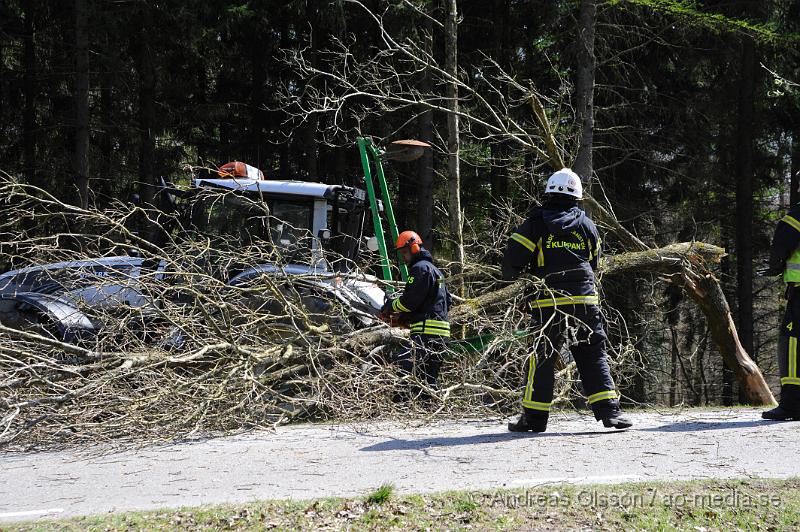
(559, 244)
(425, 302)
(784, 253)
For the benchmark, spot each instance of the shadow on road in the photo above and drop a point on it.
(477, 439)
(698, 426)
(424, 444)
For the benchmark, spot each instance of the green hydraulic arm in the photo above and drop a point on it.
(372, 155)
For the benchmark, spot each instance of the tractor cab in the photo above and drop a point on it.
(300, 220)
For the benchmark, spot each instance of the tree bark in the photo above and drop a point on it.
(81, 153)
(726, 272)
(453, 166)
(743, 172)
(106, 141)
(29, 89)
(672, 314)
(147, 90)
(425, 163)
(584, 91)
(673, 370)
(258, 56)
(501, 53)
(309, 132)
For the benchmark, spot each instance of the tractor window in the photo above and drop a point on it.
(291, 224)
(347, 229)
(238, 220)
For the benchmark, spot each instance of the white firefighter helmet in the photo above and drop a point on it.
(566, 182)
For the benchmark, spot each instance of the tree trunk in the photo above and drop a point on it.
(258, 104)
(309, 149)
(309, 134)
(106, 142)
(147, 95)
(673, 366)
(29, 89)
(29, 164)
(205, 144)
(725, 270)
(498, 180)
(284, 78)
(81, 153)
(406, 204)
(584, 91)
(743, 172)
(673, 318)
(425, 163)
(502, 53)
(453, 166)
(699, 384)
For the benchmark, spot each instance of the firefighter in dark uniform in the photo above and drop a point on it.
(559, 244)
(784, 258)
(423, 307)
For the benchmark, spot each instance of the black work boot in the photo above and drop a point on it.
(528, 422)
(611, 416)
(780, 413)
(616, 420)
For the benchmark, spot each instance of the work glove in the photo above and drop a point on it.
(395, 320)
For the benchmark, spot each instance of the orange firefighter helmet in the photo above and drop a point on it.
(409, 239)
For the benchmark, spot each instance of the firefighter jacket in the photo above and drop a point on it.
(559, 244)
(784, 254)
(425, 301)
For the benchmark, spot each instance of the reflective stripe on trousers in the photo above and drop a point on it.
(431, 327)
(791, 373)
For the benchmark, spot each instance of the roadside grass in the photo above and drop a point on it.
(725, 505)
(380, 495)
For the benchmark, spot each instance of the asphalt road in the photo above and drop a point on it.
(308, 461)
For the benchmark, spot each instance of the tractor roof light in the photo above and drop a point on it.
(237, 169)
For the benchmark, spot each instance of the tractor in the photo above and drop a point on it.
(237, 206)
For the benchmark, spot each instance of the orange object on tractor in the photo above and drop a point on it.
(236, 169)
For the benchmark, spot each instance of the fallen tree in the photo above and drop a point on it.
(686, 265)
(384, 83)
(242, 364)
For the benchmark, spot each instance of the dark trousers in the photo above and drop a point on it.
(580, 328)
(422, 358)
(788, 341)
